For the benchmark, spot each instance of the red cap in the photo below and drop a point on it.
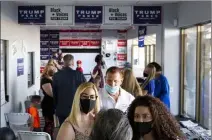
(79, 62)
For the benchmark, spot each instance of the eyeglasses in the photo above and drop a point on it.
(92, 97)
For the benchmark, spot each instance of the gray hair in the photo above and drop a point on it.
(111, 124)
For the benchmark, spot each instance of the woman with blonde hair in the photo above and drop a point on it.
(130, 83)
(148, 86)
(54, 63)
(47, 103)
(78, 125)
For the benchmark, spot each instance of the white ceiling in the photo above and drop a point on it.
(93, 2)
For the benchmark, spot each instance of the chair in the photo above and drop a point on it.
(18, 121)
(28, 135)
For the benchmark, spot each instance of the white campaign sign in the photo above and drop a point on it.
(59, 15)
(118, 14)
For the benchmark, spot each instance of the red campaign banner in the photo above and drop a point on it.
(64, 43)
(122, 43)
(122, 57)
(95, 43)
(74, 43)
(80, 43)
(85, 43)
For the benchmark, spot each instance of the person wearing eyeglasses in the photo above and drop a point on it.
(78, 125)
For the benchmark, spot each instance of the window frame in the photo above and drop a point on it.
(5, 70)
(198, 69)
(32, 70)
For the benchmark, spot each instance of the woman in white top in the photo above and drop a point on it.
(85, 106)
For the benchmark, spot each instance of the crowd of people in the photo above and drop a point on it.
(111, 106)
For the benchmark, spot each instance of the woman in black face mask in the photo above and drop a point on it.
(150, 120)
(85, 106)
(148, 86)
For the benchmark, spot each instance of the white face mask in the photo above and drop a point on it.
(112, 90)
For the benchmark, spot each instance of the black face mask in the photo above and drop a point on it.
(145, 75)
(86, 105)
(142, 128)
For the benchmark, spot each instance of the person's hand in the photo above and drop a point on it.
(94, 75)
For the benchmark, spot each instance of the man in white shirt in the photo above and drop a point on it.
(113, 96)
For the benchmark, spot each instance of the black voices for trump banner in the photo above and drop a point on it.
(31, 14)
(147, 14)
(88, 14)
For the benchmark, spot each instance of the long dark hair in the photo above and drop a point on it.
(165, 126)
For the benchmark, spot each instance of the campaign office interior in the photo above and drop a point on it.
(176, 34)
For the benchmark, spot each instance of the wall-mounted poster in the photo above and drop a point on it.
(59, 15)
(31, 14)
(88, 14)
(121, 48)
(20, 66)
(147, 14)
(122, 57)
(117, 14)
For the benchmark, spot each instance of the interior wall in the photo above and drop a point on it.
(18, 36)
(171, 54)
(193, 12)
(112, 36)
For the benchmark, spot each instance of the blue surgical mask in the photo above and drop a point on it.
(112, 90)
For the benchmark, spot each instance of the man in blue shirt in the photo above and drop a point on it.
(162, 90)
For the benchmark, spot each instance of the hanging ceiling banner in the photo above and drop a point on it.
(147, 14)
(59, 15)
(31, 14)
(141, 35)
(88, 14)
(117, 14)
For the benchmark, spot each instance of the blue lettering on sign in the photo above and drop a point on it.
(88, 14)
(147, 15)
(44, 57)
(20, 66)
(31, 14)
